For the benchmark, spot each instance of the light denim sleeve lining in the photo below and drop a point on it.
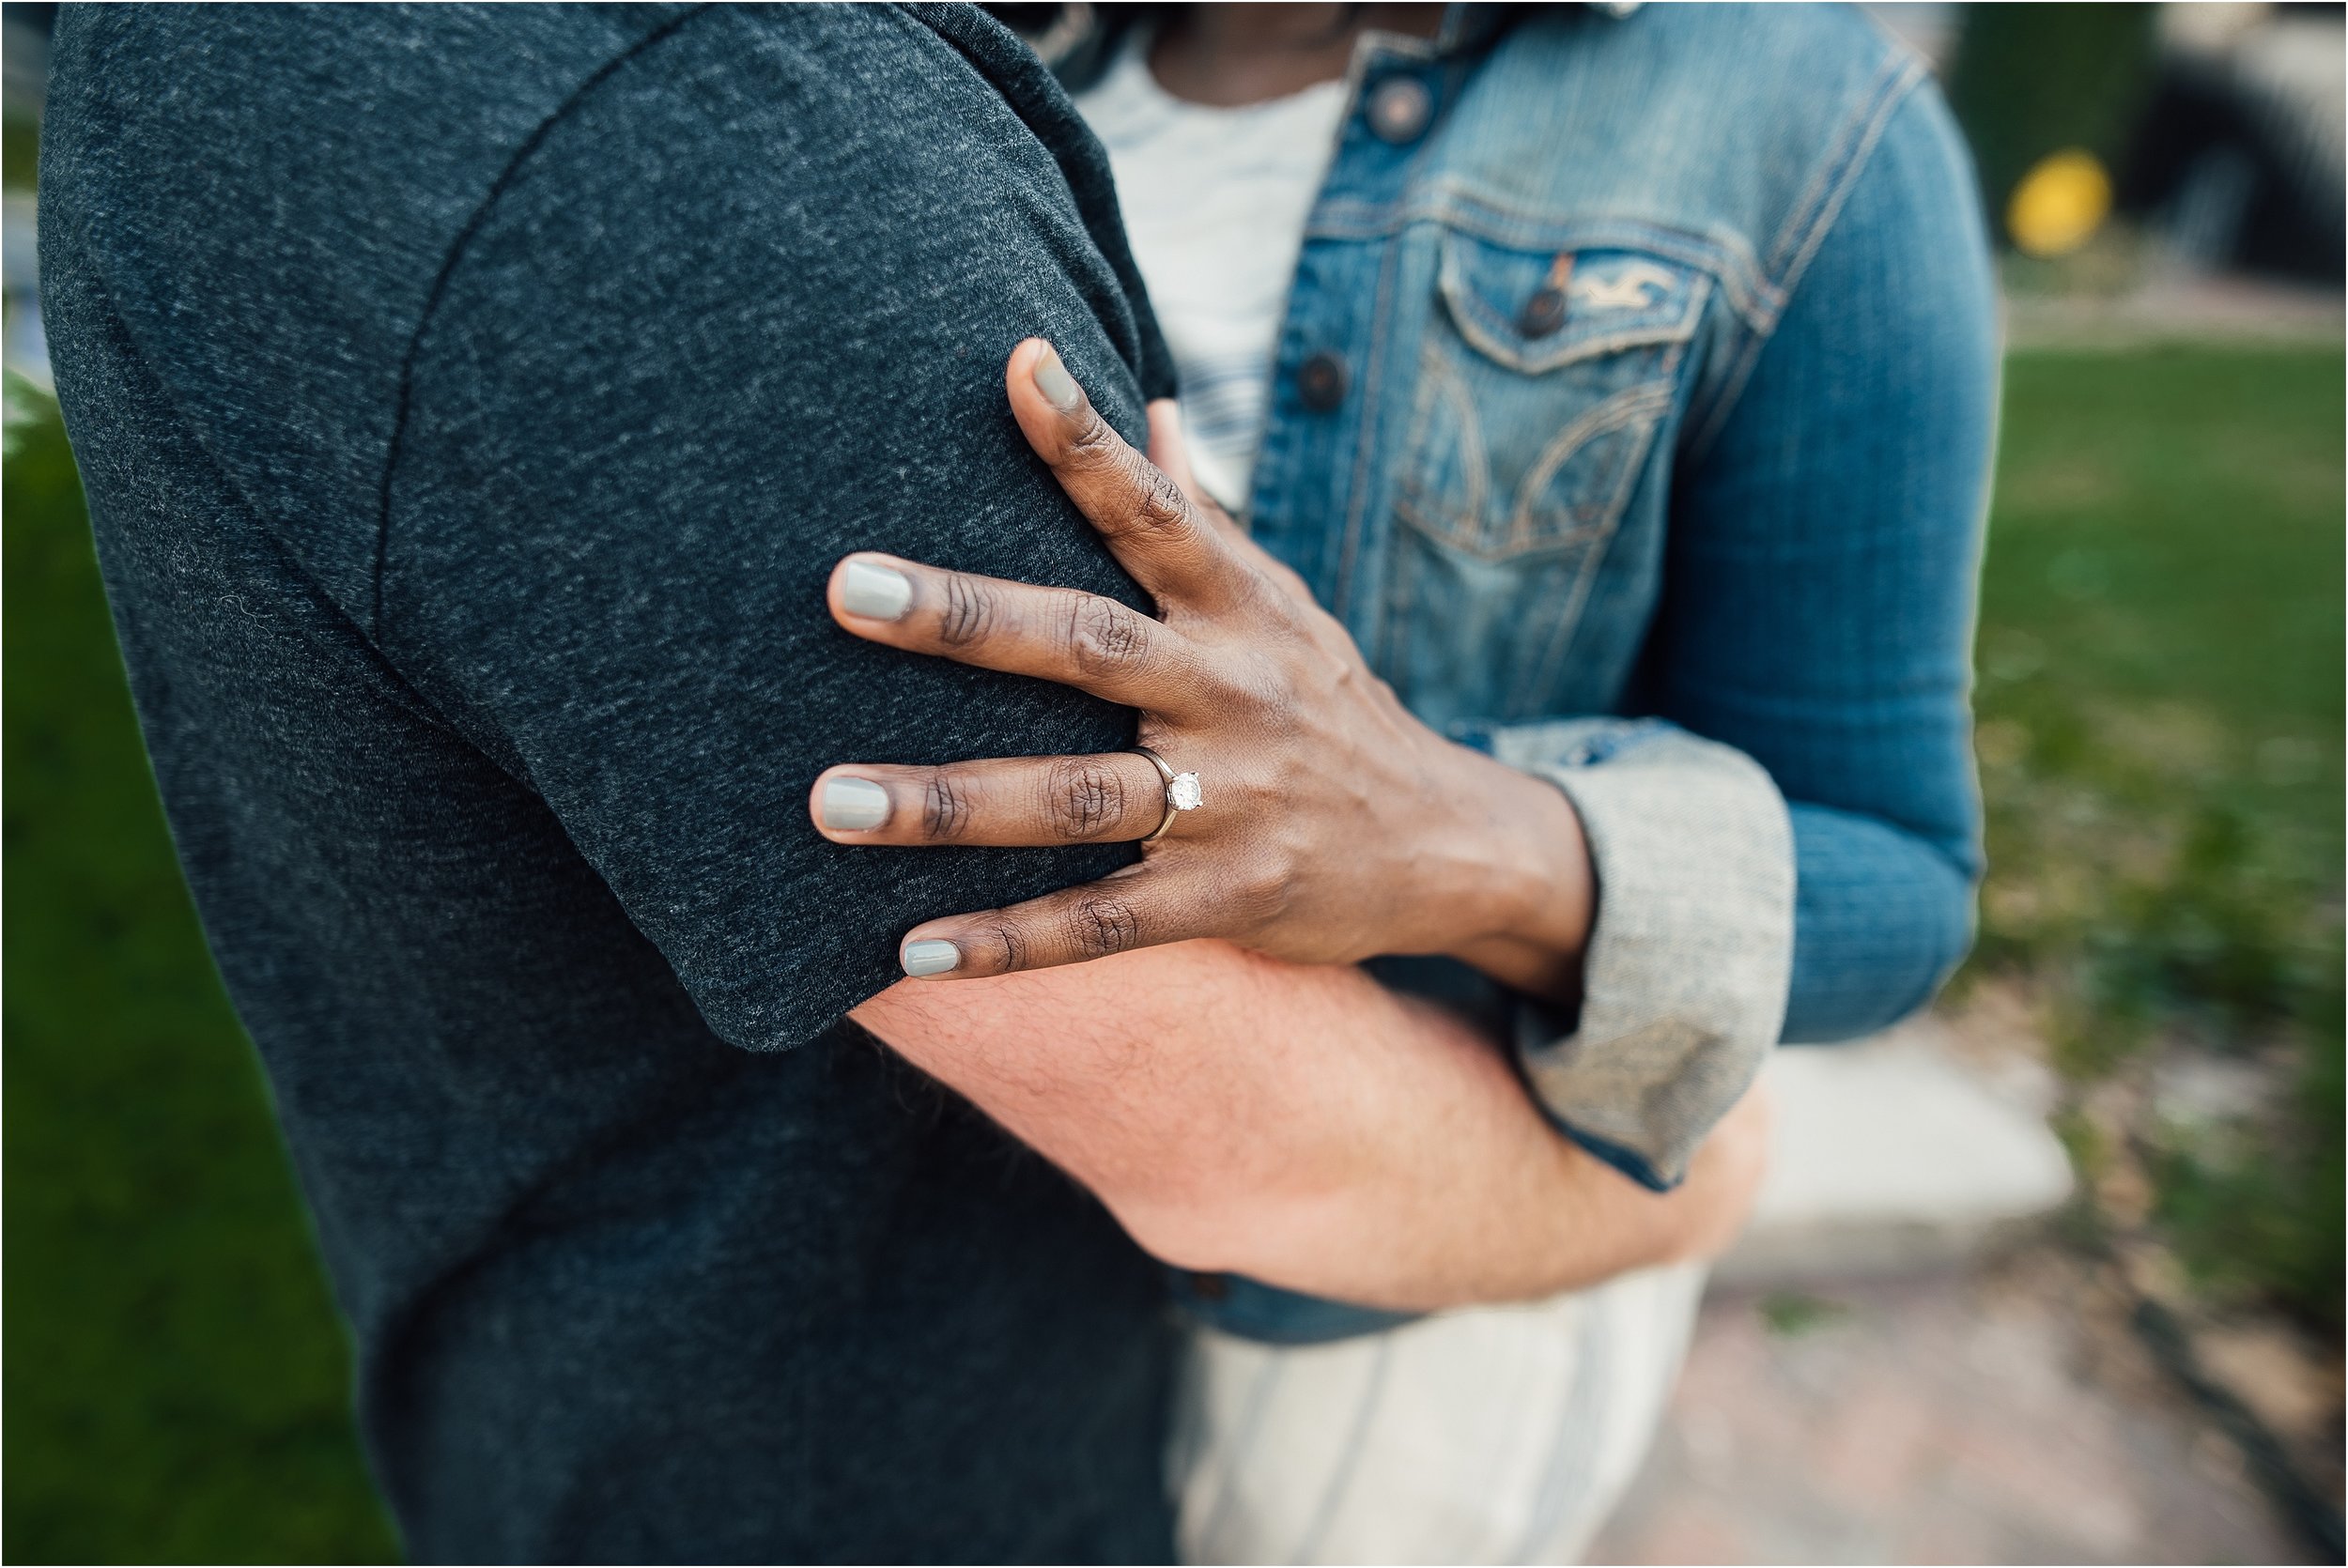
(1691, 957)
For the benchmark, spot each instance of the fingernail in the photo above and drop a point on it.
(854, 804)
(1059, 387)
(874, 592)
(930, 957)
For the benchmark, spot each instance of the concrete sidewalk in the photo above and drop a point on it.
(1897, 1362)
(1898, 1153)
(2229, 310)
(2002, 1414)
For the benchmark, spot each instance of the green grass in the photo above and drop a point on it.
(1790, 1314)
(175, 1380)
(2160, 709)
(2161, 727)
(19, 152)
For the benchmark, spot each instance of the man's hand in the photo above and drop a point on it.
(1306, 1127)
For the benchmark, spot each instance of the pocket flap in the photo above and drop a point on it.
(1535, 310)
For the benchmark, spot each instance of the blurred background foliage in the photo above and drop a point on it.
(2033, 79)
(2160, 738)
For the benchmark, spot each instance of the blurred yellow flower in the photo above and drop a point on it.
(2060, 203)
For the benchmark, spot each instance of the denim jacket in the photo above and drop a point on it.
(1633, 408)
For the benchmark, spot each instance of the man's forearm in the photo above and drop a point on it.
(1302, 1125)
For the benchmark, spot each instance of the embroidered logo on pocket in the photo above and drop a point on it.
(1634, 285)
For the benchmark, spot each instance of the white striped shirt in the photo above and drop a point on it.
(1214, 203)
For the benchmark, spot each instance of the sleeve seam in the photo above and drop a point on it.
(329, 604)
(458, 247)
(1805, 230)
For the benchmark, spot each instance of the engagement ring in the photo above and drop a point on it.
(1182, 792)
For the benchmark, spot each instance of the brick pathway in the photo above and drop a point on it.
(2008, 1416)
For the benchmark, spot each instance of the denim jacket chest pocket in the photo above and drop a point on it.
(1542, 383)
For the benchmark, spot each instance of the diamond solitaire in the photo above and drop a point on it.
(1182, 794)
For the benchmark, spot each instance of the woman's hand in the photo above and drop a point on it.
(1334, 825)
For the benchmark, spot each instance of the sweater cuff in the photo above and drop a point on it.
(1689, 958)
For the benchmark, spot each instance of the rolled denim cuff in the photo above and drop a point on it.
(1269, 1315)
(1685, 979)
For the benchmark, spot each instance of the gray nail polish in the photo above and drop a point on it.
(874, 592)
(930, 957)
(854, 804)
(1059, 387)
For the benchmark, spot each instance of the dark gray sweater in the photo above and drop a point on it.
(472, 403)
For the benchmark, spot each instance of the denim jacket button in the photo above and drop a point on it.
(1399, 108)
(1321, 381)
(1209, 1287)
(1543, 314)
